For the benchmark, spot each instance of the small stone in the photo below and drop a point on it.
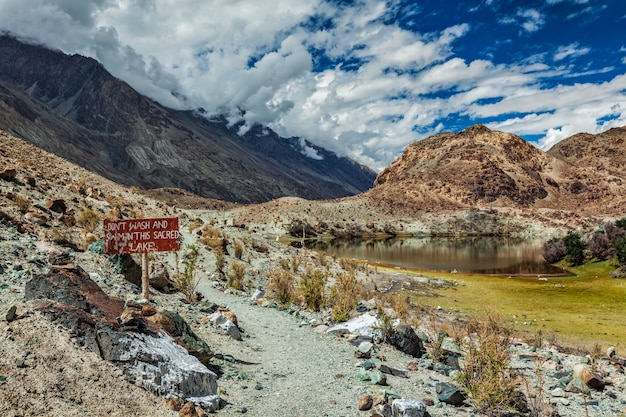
(200, 411)
(378, 378)
(129, 316)
(174, 403)
(558, 393)
(147, 311)
(366, 402)
(364, 351)
(610, 352)
(11, 314)
(188, 410)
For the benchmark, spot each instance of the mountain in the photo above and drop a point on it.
(71, 106)
(482, 168)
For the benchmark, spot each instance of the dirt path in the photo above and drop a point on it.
(295, 369)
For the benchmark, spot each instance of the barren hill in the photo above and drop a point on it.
(71, 106)
(482, 168)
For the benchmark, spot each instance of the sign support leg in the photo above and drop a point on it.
(145, 276)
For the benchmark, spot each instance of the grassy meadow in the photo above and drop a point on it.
(578, 311)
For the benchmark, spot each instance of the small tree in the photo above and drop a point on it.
(600, 247)
(574, 248)
(620, 250)
(553, 250)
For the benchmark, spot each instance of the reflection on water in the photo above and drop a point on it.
(488, 255)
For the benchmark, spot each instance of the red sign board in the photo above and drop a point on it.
(141, 235)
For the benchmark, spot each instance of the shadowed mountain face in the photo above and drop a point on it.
(479, 167)
(71, 106)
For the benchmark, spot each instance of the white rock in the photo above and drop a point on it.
(364, 324)
(218, 319)
(407, 408)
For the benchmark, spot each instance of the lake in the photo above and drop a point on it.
(481, 255)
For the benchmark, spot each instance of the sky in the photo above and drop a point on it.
(362, 78)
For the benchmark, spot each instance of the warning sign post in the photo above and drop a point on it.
(141, 236)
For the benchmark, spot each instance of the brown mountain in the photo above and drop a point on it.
(481, 168)
(71, 106)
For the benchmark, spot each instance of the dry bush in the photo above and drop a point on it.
(22, 203)
(194, 224)
(186, 279)
(385, 324)
(211, 232)
(487, 377)
(344, 294)
(220, 259)
(349, 265)
(237, 273)
(238, 247)
(89, 219)
(281, 284)
(400, 302)
(311, 288)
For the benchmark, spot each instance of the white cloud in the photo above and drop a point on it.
(572, 50)
(388, 86)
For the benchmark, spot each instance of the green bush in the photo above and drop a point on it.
(620, 250)
(574, 248)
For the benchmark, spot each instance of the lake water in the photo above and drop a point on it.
(485, 255)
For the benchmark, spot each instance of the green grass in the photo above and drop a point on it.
(580, 310)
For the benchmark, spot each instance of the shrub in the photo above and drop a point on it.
(281, 285)
(553, 250)
(311, 288)
(621, 223)
(574, 248)
(238, 247)
(22, 203)
(301, 229)
(620, 250)
(613, 232)
(344, 295)
(238, 271)
(186, 279)
(600, 247)
(220, 259)
(89, 219)
(384, 325)
(487, 377)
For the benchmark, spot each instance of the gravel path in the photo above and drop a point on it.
(297, 370)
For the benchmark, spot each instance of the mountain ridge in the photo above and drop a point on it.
(72, 106)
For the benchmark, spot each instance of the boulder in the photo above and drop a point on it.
(8, 174)
(591, 379)
(363, 324)
(57, 205)
(366, 402)
(408, 408)
(159, 276)
(406, 340)
(148, 356)
(449, 394)
(221, 321)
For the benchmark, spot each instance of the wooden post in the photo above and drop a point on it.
(145, 276)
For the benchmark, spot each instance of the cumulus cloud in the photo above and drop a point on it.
(344, 75)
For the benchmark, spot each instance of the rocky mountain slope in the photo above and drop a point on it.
(282, 362)
(482, 168)
(71, 106)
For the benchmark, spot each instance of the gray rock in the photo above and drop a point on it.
(449, 394)
(408, 408)
(159, 364)
(221, 321)
(159, 276)
(406, 340)
(11, 316)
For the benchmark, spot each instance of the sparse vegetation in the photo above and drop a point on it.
(281, 284)
(220, 260)
(186, 279)
(344, 295)
(89, 219)
(487, 377)
(238, 247)
(22, 203)
(237, 274)
(311, 288)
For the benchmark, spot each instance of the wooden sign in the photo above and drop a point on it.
(141, 235)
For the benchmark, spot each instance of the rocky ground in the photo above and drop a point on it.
(275, 361)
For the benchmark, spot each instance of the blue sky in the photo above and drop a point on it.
(362, 78)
